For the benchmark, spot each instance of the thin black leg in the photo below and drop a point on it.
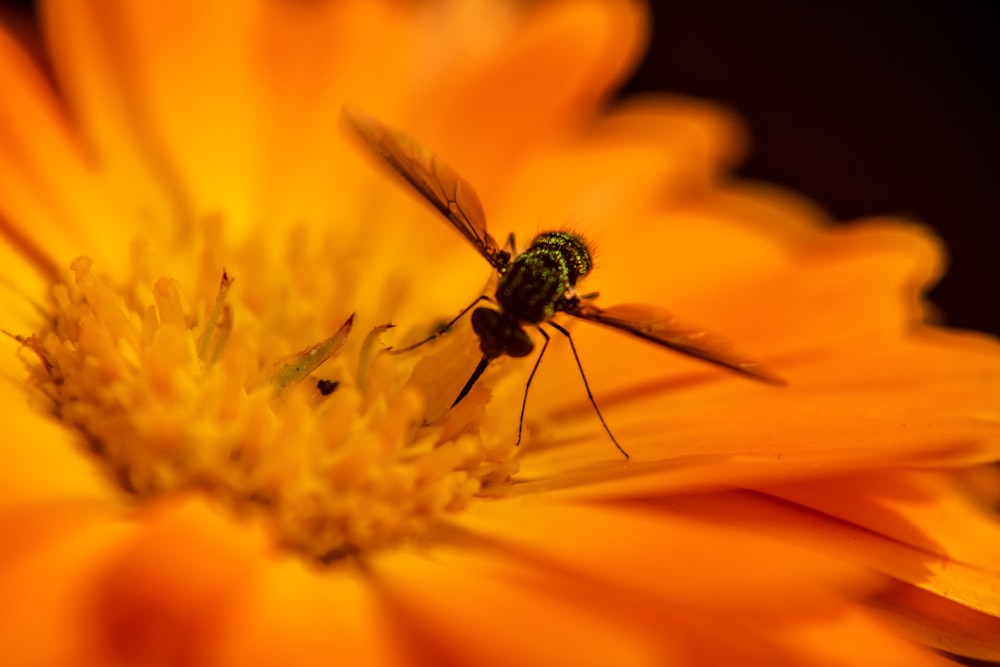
(586, 384)
(444, 329)
(527, 386)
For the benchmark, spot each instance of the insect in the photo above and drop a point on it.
(536, 284)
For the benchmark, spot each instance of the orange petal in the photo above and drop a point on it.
(928, 401)
(45, 187)
(310, 60)
(936, 621)
(851, 636)
(166, 596)
(181, 77)
(50, 553)
(955, 541)
(664, 551)
(556, 65)
(916, 545)
(100, 68)
(770, 291)
(464, 617)
(630, 595)
(291, 615)
(645, 152)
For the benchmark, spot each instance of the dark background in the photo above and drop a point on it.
(880, 108)
(868, 108)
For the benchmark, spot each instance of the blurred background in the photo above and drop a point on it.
(868, 108)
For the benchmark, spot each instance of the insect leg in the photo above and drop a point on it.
(444, 329)
(586, 384)
(527, 386)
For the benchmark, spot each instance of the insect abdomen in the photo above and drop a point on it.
(573, 250)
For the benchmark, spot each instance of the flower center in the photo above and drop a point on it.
(257, 388)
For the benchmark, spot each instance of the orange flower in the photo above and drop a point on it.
(209, 460)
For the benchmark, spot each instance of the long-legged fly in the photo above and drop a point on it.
(537, 283)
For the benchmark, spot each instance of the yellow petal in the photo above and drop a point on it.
(23, 291)
(42, 459)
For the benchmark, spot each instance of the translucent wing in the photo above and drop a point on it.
(438, 183)
(660, 327)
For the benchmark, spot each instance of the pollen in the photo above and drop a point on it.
(274, 398)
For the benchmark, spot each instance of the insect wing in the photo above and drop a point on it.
(663, 328)
(438, 183)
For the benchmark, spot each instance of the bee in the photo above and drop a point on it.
(536, 284)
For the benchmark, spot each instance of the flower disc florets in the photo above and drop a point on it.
(201, 384)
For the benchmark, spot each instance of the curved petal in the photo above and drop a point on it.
(935, 621)
(47, 192)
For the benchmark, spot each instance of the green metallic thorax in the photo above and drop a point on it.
(537, 280)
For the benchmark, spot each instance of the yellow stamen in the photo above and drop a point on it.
(339, 449)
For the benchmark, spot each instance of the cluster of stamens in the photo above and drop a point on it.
(337, 447)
